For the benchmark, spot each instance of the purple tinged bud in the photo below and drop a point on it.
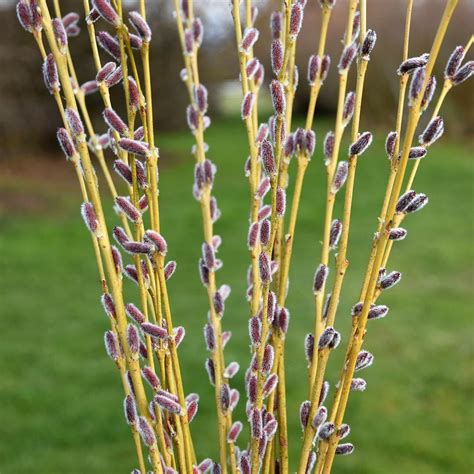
(203, 272)
(169, 269)
(300, 139)
(347, 56)
(231, 370)
(408, 66)
(120, 235)
(209, 366)
(24, 15)
(259, 75)
(134, 146)
(157, 240)
(325, 65)
(454, 62)
(134, 94)
(268, 359)
(335, 233)
(225, 397)
(198, 31)
(368, 44)
(89, 87)
(324, 392)
(255, 331)
(378, 312)
(133, 340)
(277, 93)
(125, 206)
(124, 171)
(73, 30)
(36, 18)
(109, 44)
(265, 230)
(358, 385)
(247, 105)
(60, 34)
(252, 388)
(356, 26)
(75, 124)
(463, 73)
(305, 407)
(416, 84)
(210, 337)
(146, 432)
(335, 340)
(357, 308)
(270, 385)
(168, 402)
(205, 465)
(111, 345)
(390, 143)
(310, 142)
(114, 78)
(348, 109)
(264, 212)
(134, 313)
(268, 159)
(326, 430)
(397, 233)
(310, 463)
(390, 280)
(320, 417)
(326, 337)
(326, 305)
(417, 152)
(117, 257)
(191, 410)
(154, 330)
(208, 256)
(263, 187)
(420, 201)
(280, 202)
(130, 409)
(271, 426)
(309, 348)
(432, 132)
(328, 147)
(256, 427)
(192, 118)
(249, 38)
(361, 144)
(188, 42)
(276, 24)
(429, 93)
(141, 26)
(289, 147)
(234, 432)
(66, 143)
(320, 277)
(314, 66)
(343, 431)
(90, 218)
(200, 98)
(251, 67)
(404, 200)
(253, 235)
(107, 12)
(264, 268)
(277, 56)
(296, 20)
(364, 359)
(283, 321)
(139, 133)
(345, 449)
(340, 176)
(113, 120)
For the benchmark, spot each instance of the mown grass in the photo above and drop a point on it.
(60, 396)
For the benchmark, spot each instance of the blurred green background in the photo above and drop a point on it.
(61, 399)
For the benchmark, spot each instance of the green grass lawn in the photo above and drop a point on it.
(60, 396)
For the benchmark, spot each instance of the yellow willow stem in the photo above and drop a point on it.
(330, 196)
(103, 240)
(383, 239)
